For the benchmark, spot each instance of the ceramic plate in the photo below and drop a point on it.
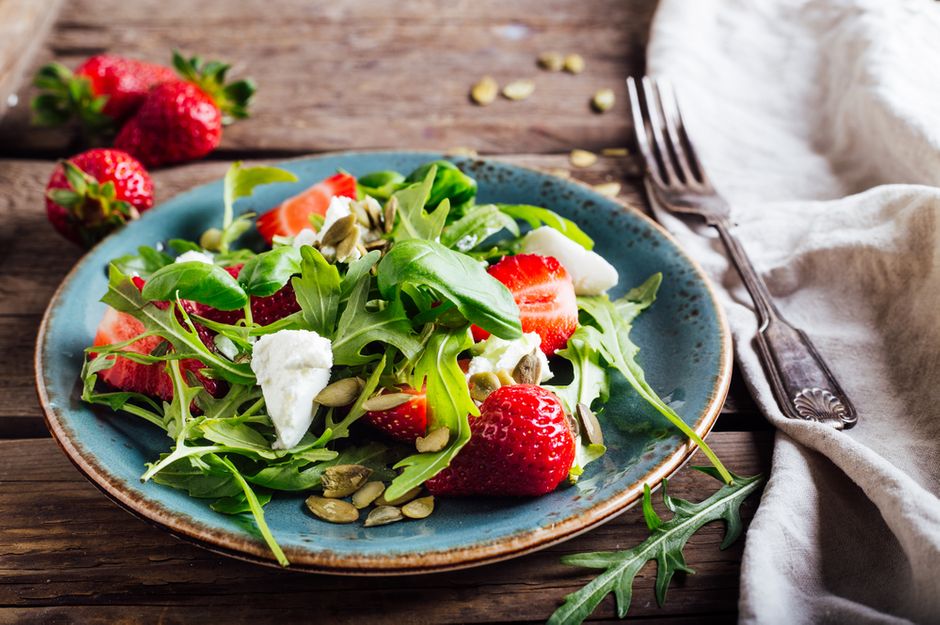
(685, 350)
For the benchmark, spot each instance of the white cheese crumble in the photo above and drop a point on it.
(192, 256)
(590, 272)
(495, 354)
(292, 367)
(307, 236)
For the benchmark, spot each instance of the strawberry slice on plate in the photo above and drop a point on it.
(293, 214)
(544, 293)
(404, 422)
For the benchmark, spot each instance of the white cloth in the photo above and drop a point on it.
(819, 120)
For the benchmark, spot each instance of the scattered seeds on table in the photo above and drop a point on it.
(582, 158)
(574, 63)
(559, 172)
(369, 492)
(484, 92)
(462, 151)
(405, 498)
(603, 99)
(343, 480)
(615, 152)
(528, 370)
(436, 440)
(383, 515)
(482, 384)
(332, 510)
(211, 239)
(386, 401)
(610, 189)
(552, 61)
(340, 393)
(420, 508)
(590, 426)
(519, 89)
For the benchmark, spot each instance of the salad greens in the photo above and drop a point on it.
(397, 316)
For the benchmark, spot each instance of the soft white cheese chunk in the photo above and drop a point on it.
(590, 272)
(192, 256)
(307, 236)
(495, 354)
(292, 367)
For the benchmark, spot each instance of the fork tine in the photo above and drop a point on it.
(685, 141)
(670, 108)
(653, 110)
(642, 133)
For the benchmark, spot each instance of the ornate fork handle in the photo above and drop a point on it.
(802, 383)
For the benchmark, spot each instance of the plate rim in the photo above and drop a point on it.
(246, 548)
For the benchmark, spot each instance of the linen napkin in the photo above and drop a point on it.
(819, 120)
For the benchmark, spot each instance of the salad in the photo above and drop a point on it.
(389, 343)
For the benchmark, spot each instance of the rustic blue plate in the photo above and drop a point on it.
(686, 352)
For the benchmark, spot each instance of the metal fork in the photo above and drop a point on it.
(802, 383)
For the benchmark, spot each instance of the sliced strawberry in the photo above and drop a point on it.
(544, 293)
(521, 445)
(293, 214)
(264, 310)
(405, 422)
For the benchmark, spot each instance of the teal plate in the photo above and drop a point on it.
(685, 350)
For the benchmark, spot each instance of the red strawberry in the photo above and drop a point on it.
(544, 292)
(95, 192)
(104, 90)
(264, 310)
(520, 445)
(293, 214)
(405, 422)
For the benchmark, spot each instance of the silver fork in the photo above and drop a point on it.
(802, 383)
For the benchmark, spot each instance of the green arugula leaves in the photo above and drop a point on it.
(267, 273)
(537, 216)
(240, 182)
(317, 290)
(197, 281)
(476, 226)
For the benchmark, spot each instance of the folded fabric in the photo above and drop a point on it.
(819, 120)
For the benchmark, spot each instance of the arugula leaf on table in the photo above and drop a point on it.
(537, 216)
(449, 405)
(197, 281)
(412, 221)
(480, 298)
(265, 274)
(317, 289)
(665, 544)
(614, 322)
(241, 182)
(476, 226)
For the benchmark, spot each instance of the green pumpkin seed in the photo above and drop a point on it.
(574, 63)
(484, 92)
(211, 239)
(436, 440)
(603, 100)
(405, 498)
(419, 508)
(332, 510)
(482, 384)
(346, 247)
(344, 479)
(391, 209)
(582, 158)
(340, 393)
(528, 370)
(590, 426)
(339, 231)
(386, 401)
(552, 61)
(368, 493)
(383, 515)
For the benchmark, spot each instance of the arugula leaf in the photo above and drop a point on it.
(380, 184)
(449, 405)
(147, 408)
(356, 270)
(145, 262)
(300, 475)
(341, 429)
(584, 455)
(204, 481)
(537, 216)
(237, 437)
(413, 222)
(359, 326)
(665, 544)
(476, 226)
(317, 291)
(590, 380)
(124, 296)
(201, 282)
(238, 503)
(241, 181)
(266, 273)
(450, 183)
(480, 298)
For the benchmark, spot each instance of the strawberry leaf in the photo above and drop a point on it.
(665, 544)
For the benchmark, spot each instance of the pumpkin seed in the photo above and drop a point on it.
(482, 384)
(505, 377)
(368, 493)
(345, 248)
(519, 89)
(436, 440)
(559, 172)
(615, 152)
(405, 498)
(339, 231)
(386, 401)
(528, 370)
(603, 99)
(573, 424)
(378, 244)
(419, 508)
(462, 151)
(484, 92)
(344, 479)
(391, 209)
(610, 189)
(361, 213)
(574, 63)
(383, 515)
(211, 239)
(552, 61)
(340, 393)
(582, 158)
(590, 426)
(332, 510)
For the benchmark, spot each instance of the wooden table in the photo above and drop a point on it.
(338, 75)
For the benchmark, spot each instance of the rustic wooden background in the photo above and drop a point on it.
(332, 75)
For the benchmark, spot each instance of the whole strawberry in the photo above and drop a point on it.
(520, 445)
(95, 192)
(102, 92)
(182, 120)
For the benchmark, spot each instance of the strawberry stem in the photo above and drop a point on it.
(232, 99)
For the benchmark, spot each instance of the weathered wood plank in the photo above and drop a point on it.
(357, 74)
(23, 27)
(106, 565)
